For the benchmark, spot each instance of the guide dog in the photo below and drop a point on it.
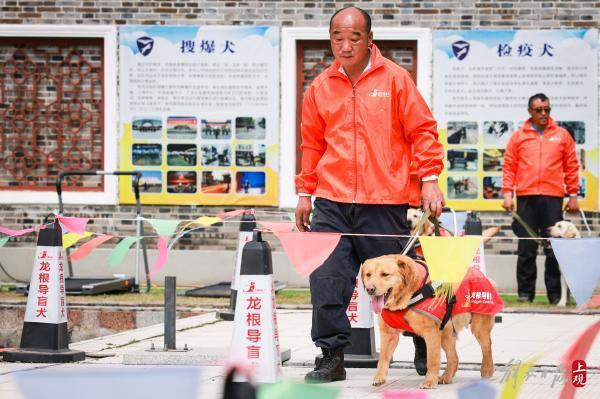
(392, 280)
(563, 229)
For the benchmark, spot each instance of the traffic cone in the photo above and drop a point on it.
(255, 341)
(45, 336)
(247, 226)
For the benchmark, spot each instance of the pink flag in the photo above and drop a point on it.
(13, 233)
(592, 303)
(277, 227)
(230, 214)
(89, 246)
(578, 351)
(308, 251)
(161, 259)
(73, 225)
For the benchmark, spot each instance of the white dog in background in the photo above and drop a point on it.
(563, 229)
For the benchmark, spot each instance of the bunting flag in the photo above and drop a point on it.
(14, 233)
(592, 303)
(577, 353)
(164, 227)
(71, 239)
(516, 378)
(118, 253)
(89, 246)
(203, 221)
(478, 390)
(406, 394)
(73, 225)
(278, 227)
(3, 241)
(296, 390)
(449, 258)
(578, 261)
(230, 214)
(308, 251)
(161, 259)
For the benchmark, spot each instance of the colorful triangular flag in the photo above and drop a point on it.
(577, 352)
(85, 249)
(276, 227)
(448, 258)
(70, 239)
(578, 261)
(477, 390)
(73, 225)
(120, 250)
(296, 390)
(308, 251)
(164, 227)
(516, 378)
(161, 258)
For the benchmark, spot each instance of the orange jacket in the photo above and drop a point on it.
(356, 141)
(537, 164)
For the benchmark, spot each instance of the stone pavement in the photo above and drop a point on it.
(519, 337)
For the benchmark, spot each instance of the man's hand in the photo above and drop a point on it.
(572, 205)
(432, 197)
(303, 211)
(508, 203)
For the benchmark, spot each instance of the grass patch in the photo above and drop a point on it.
(291, 296)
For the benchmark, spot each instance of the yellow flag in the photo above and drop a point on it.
(204, 221)
(449, 258)
(515, 377)
(70, 239)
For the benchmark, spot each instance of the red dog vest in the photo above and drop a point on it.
(475, 294)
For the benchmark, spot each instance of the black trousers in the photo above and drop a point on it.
(539, 212)
(332, 284)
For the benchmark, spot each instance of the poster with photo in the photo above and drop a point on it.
(482, 80)
(199, 111)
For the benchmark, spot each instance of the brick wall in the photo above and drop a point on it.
(463, 14)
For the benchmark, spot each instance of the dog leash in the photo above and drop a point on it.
(529, 230)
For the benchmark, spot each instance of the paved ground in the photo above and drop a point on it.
(519, 337)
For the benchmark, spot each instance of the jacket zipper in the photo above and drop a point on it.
(355, 143)
(539, 163)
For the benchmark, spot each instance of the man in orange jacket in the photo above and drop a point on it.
(360, 119)
(539, 162)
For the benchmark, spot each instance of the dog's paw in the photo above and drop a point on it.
(445, 379)
(378, 380)
(429, 383)
(487, 372)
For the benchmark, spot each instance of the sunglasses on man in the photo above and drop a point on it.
(541, 109)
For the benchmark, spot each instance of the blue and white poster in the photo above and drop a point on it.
(199, 112)
(482, 81)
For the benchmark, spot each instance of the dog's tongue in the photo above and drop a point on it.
(377, 303)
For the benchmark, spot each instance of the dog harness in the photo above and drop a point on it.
(476, 294)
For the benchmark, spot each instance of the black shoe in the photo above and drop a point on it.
(553, 301)
(420, 355)
(524, 298)
(329, 368)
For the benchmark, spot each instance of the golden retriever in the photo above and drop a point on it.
(563, 229)
(391, 280)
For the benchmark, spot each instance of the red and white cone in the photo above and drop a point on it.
(45, 335)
